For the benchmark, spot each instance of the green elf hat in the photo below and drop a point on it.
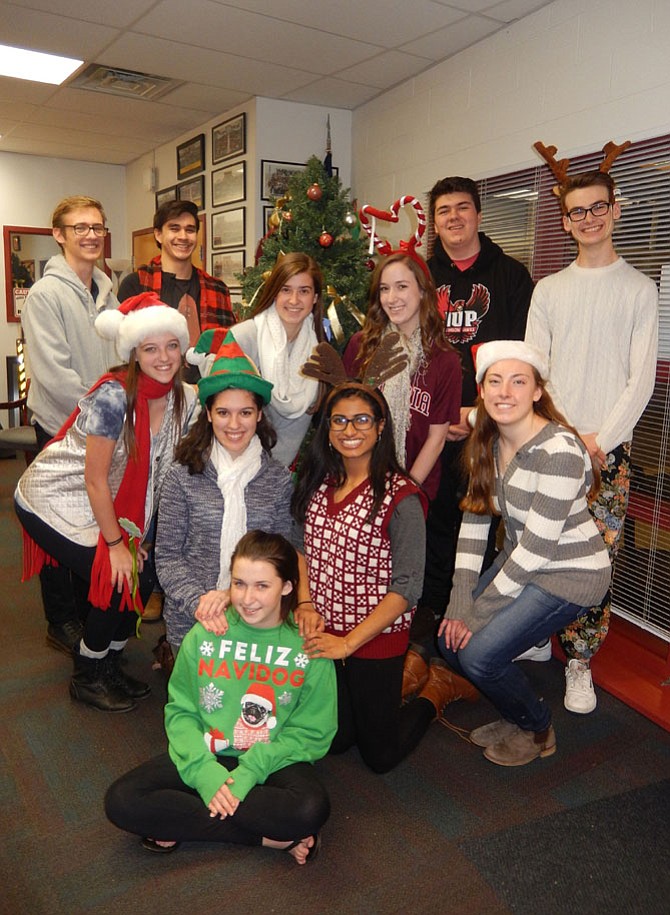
(233, 369)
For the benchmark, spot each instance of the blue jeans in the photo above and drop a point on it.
(488, 659)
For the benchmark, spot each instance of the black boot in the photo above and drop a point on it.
(91, 684)
(134, 689)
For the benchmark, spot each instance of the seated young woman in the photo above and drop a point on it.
(528, 465)
(364, 538)
(104, 469)
(248, 713)
(223, 483)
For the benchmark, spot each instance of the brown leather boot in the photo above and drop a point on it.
(445, 686)
(415, 671)
(522, 747)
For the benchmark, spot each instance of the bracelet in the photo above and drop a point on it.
(301, 602)
(114, 542)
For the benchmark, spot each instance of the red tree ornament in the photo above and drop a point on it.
(325, 239)
(314, 192)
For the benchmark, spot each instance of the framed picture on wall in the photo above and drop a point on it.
(228, 228)
(165, 195)
(229, 139)
(191, 157)
(225, 266)
(229, 184)
(193, 190)
(275, 177)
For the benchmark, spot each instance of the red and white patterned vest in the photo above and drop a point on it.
(349, 561)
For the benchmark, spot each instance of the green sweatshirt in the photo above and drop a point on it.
(252, 693)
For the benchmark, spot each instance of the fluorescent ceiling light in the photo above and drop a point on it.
(36, 66)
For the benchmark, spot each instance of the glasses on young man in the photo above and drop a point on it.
(83, 228)
(579, 213)
(361, 421)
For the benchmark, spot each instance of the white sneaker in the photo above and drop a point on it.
(537, 653)
(580, 695)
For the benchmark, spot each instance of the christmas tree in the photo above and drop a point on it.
(315, 215)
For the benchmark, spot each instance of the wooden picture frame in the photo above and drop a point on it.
(166, 194)
(275, 177)
(229, 139)
(229, 228)
(229, 184)
(193, 190)
(225, 264)
(191, 157)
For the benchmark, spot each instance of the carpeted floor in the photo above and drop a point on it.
(585, 831)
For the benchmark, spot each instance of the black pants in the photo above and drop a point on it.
(58, 590)
(102, 626)
(153, 801)
(370, 715)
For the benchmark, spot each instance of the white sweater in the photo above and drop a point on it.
(599, 327)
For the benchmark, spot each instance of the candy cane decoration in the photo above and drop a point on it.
(391, 215)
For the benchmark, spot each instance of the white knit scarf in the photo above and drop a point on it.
(280, 363)
(232, 477)
(397, 390)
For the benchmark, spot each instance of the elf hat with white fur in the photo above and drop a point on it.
(496, 350)
(139, 317)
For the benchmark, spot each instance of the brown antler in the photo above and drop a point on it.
(389, 359)
(558, 167)
(325, 364)
(612, 152)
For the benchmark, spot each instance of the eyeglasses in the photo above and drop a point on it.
(579, 213)
(361, 421)
(83, 228)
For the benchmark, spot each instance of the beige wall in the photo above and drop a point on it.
(575, 74)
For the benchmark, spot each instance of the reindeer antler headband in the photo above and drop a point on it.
(325, 364)
(560, 167)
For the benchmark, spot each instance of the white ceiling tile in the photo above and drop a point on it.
(221, 28)
(386, 69)
(509, 10)
(334, 92)
(120, 13)
(390, 25)
(449, 41)
(49, 32)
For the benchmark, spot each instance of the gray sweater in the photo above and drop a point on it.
(551, 540)
(188, 533)
(66, 355)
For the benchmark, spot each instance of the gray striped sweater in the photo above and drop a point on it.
(551, 540)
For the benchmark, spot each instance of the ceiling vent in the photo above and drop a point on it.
(126, 83)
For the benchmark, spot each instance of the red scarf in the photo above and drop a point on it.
(129, 501)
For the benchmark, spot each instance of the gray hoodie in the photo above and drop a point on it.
(65, 354)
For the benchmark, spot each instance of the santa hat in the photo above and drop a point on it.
(262, 694)
(232, 369)
(496, 350)
(137, 318)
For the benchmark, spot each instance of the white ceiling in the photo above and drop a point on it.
(336, 53)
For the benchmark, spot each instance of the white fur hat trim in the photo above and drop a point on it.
(131, 329)
(497, 350)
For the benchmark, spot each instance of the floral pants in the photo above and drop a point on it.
(583, 638)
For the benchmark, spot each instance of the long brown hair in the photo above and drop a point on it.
(261, 546)
(478, 459)
(290, 265)
(432, 325)
(132, 371)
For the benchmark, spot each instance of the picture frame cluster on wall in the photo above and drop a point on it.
(229, 186)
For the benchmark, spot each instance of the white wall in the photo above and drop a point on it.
(574, 74)
(30, 187)
(276, 130)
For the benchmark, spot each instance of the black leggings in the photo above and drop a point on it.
(153, 801)
(370, 715)
(102, 626)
